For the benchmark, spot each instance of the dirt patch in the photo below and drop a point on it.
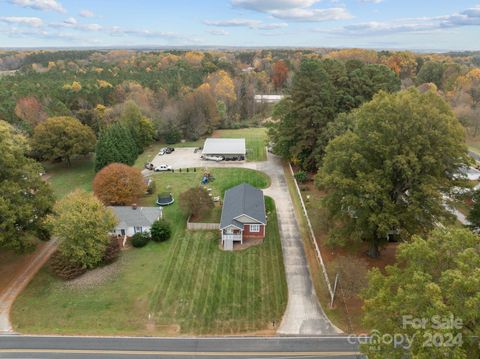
(12, 264)
(95, 277)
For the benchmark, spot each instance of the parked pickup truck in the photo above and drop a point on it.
(149, 166)
(212, 158)
(163, 168)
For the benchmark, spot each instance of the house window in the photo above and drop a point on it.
(255, 228)
(138, 229)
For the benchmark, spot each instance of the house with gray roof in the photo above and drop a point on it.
(133, 219)
(243, 215)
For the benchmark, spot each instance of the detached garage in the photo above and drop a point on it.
(228, 148)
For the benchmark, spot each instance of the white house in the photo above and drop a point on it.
(133, 219)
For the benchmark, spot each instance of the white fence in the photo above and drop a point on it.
(312, 236)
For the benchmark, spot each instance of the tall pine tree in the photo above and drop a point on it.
(309, 109)
(115, 145)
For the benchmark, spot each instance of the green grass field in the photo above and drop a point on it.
(184, 286)
(64, 179)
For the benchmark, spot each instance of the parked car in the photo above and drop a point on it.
(162, 151)
(169, 150)
(163, 168)
(213, 158)
(149, 166)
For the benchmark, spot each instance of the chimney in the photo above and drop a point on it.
(134, 206)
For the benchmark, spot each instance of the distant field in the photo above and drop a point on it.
(184, 286)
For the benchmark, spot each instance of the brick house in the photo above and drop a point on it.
(243, 215)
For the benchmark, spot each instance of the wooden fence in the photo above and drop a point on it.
(192, 226)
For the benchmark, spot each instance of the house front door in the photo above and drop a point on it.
(122, 231)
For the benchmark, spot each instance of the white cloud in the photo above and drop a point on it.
(70, 21)
(218, 32)
(20, 20)
(272, 26)
(73, 24)
(37, 33)
(118, 31)
(52, 5)
(252, 24)
(233, 22)
(268, 5)
(372, 1)
(312, 15)
(86, 13)
(469, 17)
(294, 10)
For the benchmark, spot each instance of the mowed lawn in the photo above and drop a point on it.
(255, 141)
(184, 286)
(65, 179)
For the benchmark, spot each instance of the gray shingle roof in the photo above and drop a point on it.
(242, 199)
(228, 146)
(142, 216)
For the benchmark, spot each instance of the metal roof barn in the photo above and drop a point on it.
(224, 146)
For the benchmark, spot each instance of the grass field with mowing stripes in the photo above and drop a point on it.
(184, 286)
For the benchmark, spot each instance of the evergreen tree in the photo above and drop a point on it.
(304, 115)
(140, 127)
(115, 145)
(320, 91)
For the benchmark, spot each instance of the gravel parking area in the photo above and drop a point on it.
(185, 157)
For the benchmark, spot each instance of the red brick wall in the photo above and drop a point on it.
(247, 234)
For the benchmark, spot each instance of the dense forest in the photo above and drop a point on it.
(187, 94)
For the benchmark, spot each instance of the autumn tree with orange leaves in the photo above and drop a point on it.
(279, 73)
(118, 184)
(30, 110)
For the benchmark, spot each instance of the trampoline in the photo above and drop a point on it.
(165, 199)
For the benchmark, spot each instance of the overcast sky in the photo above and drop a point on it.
(419, 24)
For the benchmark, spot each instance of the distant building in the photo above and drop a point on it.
(248, 69)
(268, 98)
(133, 219)
(470, 173)
(243, 215)
(225, 147)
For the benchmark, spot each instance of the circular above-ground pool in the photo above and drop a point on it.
(165, 199)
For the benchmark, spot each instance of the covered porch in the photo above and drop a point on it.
(230, 235)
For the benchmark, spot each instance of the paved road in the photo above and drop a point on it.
(15, 287)
(224, 347)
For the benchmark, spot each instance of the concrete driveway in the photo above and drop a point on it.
(304, 315)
